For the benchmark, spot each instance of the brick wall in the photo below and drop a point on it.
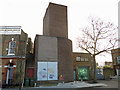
(18, 58)
(83, 63)
(65, 59)
(55, 21)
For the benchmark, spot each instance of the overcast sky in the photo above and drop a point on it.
(29, 14)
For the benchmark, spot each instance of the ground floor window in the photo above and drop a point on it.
(47, 71)
(83, 73)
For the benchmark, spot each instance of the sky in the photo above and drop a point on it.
(29, 14)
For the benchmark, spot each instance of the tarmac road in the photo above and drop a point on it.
(110, 83)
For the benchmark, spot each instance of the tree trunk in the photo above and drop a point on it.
(94, 62)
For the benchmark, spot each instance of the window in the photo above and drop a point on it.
(47, 71)
(86, 59)
(11, 50)
(77, 58)
(82, 58)
(118, 59)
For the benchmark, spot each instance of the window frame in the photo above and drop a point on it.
(11, 48)
(85, 59)
(77, 59)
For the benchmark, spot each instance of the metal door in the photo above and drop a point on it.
(83, 73)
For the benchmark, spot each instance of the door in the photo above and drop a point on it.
(83, 73)
(9, 77)
(30, 72)
(74, 74)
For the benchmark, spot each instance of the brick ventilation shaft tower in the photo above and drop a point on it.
(54, 48)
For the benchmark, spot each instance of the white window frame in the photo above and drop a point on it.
(9, 50)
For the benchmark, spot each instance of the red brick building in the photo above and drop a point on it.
(83, 66)
(12, 54)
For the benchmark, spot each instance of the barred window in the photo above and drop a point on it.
(12, 45)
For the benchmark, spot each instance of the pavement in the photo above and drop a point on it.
(75, 84)
(113, 83)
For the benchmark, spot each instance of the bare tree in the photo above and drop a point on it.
(98, 38)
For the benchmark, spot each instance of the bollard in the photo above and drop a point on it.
(22, 85)
(35, 85)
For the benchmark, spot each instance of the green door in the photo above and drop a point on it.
(83, 73)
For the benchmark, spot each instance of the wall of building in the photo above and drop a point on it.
(47, 48)
(0, 61)
(83, 63)
(55, 21)
(52, 49)
(115, 53)
(20, 71)
(46, 21)
(5, 44)
(18, 59)
(107, 72)
(35, 56)
(65, 57)
(0, 44)
(54, 46)
(29, 67)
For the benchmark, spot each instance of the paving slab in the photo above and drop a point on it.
(77, 84)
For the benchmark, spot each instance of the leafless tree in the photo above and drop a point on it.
(98, 38)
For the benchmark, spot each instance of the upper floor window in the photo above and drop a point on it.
(12, 45)
(86, 59)
(82, 59)
(118, 59)
(77, 58)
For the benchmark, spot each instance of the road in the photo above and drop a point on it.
(110, 83)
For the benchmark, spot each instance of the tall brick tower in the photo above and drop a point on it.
(55, 21)
(53, 50)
